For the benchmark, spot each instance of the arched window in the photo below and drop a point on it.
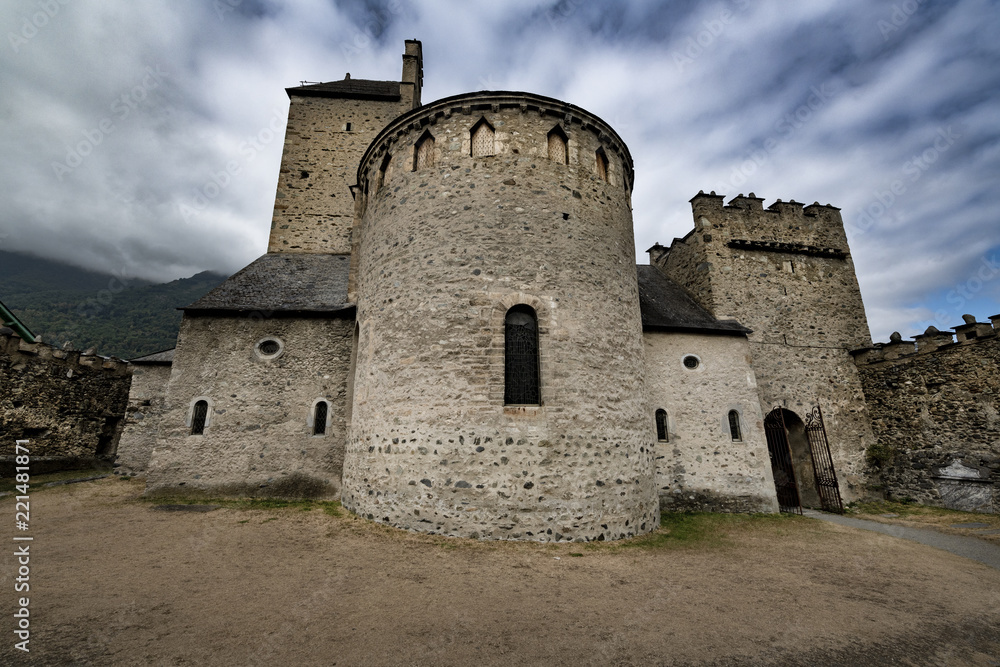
(662, 432)
(734, 426)
(320, 413)
(199, 415)
(557, 146)
(482, 139)
(521, 383)
(424, 154)
(602, 165)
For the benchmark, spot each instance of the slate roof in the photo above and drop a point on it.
(666, 306)
(359, 89)
(164, 358)
(283, 283)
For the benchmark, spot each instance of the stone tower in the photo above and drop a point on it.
(483, 219)
(786, 273)
(329, 127)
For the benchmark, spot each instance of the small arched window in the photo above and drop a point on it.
(521, 381)
(558, 152)
(602, 165)
(734, 426)
(424, 154)
(321, 411)
(199, 415)
(482, 139)
(662, 432)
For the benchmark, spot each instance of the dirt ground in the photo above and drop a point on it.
(116, 582)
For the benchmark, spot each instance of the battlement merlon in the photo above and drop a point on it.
(931, 341)
(791, 223)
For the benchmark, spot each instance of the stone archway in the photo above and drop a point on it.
(791, 460)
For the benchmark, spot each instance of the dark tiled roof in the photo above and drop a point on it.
(360, 89)
(166, 357)
(666, 306)
(283, 282)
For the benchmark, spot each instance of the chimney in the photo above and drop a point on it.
(413, 72)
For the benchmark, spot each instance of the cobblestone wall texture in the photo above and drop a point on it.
(69, 406)
(700, 467)
(934, 409)
(786, 273)
(445, 251)
(258, 440)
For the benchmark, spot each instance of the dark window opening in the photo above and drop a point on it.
(662, 434)
(602, 165)
(319, 419)
(691, 361)
(199, 417)
(521, 381)
(734, 426)
(347, 127)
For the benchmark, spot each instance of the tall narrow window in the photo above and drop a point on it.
(384, 173)
(734, 426)
(425, 152)
(319, 418)
(521, 357)
(198, 417)
(482, 139)
(602, 165)
(557, 146)
(662, 433)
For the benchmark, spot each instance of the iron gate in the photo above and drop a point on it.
(781, 462)
(826, 476)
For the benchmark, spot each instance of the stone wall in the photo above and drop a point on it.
(258, 440)
(937, 413)
(445, 251)
(701, 467)
(143, 417)
(68, 404)
(786, 273)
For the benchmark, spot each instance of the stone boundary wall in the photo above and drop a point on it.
(68, 404)
(935, 409)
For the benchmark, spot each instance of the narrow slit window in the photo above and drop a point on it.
(734, 426)
(482, 139)
(558, 151)
(662, 433)
(425, 152)
(319, 418)
(384, 173)
(199, 416)
(602, 165)
(521, 380)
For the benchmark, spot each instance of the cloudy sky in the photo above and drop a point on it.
(116, 114)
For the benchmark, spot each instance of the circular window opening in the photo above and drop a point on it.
(691, 361)
(269, 348)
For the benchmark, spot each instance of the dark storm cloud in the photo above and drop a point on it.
(889, 111)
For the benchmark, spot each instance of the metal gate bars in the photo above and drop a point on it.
(826, 476)
(781, 462)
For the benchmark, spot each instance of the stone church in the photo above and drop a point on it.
(450, 333)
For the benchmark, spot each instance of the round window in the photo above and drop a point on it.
(269, 348)
(691, 361)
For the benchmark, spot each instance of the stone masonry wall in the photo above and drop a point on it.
(933, 410)
(786, 273)
(143, 417)
(259, 440)
(313, 207)
(69, 405)
(701, 468)
(445, 251)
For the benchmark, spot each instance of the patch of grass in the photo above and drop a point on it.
(36, 482)
(705, 529)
